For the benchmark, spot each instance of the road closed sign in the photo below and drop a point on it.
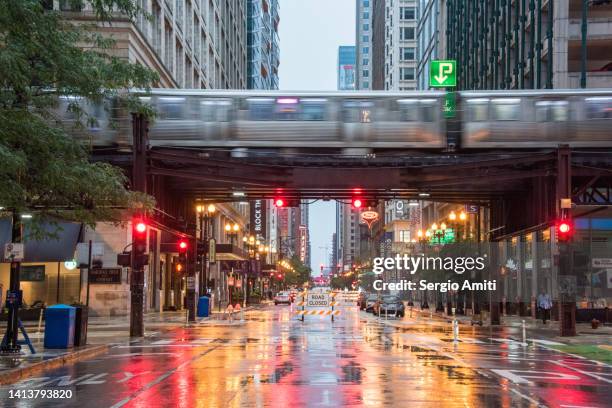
(317, 300)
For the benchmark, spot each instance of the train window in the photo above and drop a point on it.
(428, 107)
(506, 109)
(599, 108)
(478, 109)
(171, 108)
(313, 109)
(552, 111)
(358, 111)
(287, 109)
(408, 110)
(215, 110)
(261, 108)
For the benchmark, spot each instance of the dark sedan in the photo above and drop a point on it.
(389, 306)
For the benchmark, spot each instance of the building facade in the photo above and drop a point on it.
(263, 47)
(523, 45)
(363, 41)
(346, 68)
(431, 38)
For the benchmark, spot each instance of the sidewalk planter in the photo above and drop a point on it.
(59, 326)
(203, 306)
(80, 325)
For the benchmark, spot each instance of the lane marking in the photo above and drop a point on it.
(162, 377)
(528, 398)
(583, 372)
(513, 375)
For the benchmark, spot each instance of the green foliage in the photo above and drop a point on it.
(44, 55)
(300, 275)
(342, 282)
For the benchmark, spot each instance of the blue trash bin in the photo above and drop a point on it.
(203, 306)
(59, 326)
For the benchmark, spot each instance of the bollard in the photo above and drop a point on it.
(455, 331)
(186, 317)
(40, 316)
(524, 334)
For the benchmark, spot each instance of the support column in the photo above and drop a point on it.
(13, 296)
(567, 301)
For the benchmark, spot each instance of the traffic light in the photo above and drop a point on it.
(281, 202)
(140, 258)
(182, 246)
(564, 229)
(358, 203)
(181, 262)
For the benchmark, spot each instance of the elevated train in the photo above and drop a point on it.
(370, 121)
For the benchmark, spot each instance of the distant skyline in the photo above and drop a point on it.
(310, 33)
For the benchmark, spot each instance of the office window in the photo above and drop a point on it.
(366, 3)
(366, 73)
(365, 50)
(366, 27)
(407, 53)
(366, 61)
(366, 38)
(366, 15)
(404, 236)
(407, 74)
(407, 33)
(366, 84)
(407, 13)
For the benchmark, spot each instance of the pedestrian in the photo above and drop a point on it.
(544, 304)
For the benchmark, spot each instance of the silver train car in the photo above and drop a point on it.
(356, 121)
(536, 119)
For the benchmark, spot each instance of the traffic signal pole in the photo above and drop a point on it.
(139, 183)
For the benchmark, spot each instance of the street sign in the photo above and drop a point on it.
(212, 251)
(443, 73)
(105, 276)
(602, 262)
(97, 252)
(13, 252)
(471, 209)
(317, 300)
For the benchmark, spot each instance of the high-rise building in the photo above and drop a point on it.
(262, 38)
(525, 45)
(346, 68)
(191, 44)
(431, 37)
(363, 41)
(394, 45)
(347, 235)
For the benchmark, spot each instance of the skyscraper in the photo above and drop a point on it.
(263, 50)
(363, 41)
(346, 68)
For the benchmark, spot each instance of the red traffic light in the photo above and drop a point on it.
(565, 229)
(280, 276)
(279, 202)
(140, 226)
(182, 245)
(357, 203)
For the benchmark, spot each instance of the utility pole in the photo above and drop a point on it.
(139, 183)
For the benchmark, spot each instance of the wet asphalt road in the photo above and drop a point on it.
(275, 360)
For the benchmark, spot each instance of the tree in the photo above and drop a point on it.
(42, 56)
(300, 274)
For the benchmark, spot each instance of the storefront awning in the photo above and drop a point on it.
(229, 252)
(58, 248)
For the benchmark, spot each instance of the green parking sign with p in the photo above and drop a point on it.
(443, 73)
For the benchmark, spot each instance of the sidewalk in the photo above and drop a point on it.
(585, 335)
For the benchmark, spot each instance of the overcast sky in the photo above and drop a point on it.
(310, 33)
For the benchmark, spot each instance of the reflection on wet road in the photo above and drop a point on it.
(274, 360)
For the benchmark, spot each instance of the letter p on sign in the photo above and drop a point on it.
(443, 73)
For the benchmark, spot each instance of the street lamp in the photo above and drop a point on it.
(205, 216)
(232, 231)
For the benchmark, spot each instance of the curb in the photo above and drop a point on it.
(16, 374)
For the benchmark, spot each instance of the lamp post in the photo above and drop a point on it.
(232, 232)
(205, 216)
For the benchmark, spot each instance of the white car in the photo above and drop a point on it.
(282, 297)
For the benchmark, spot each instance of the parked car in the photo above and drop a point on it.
(389, 305)
(282, 297)
(370, 301)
